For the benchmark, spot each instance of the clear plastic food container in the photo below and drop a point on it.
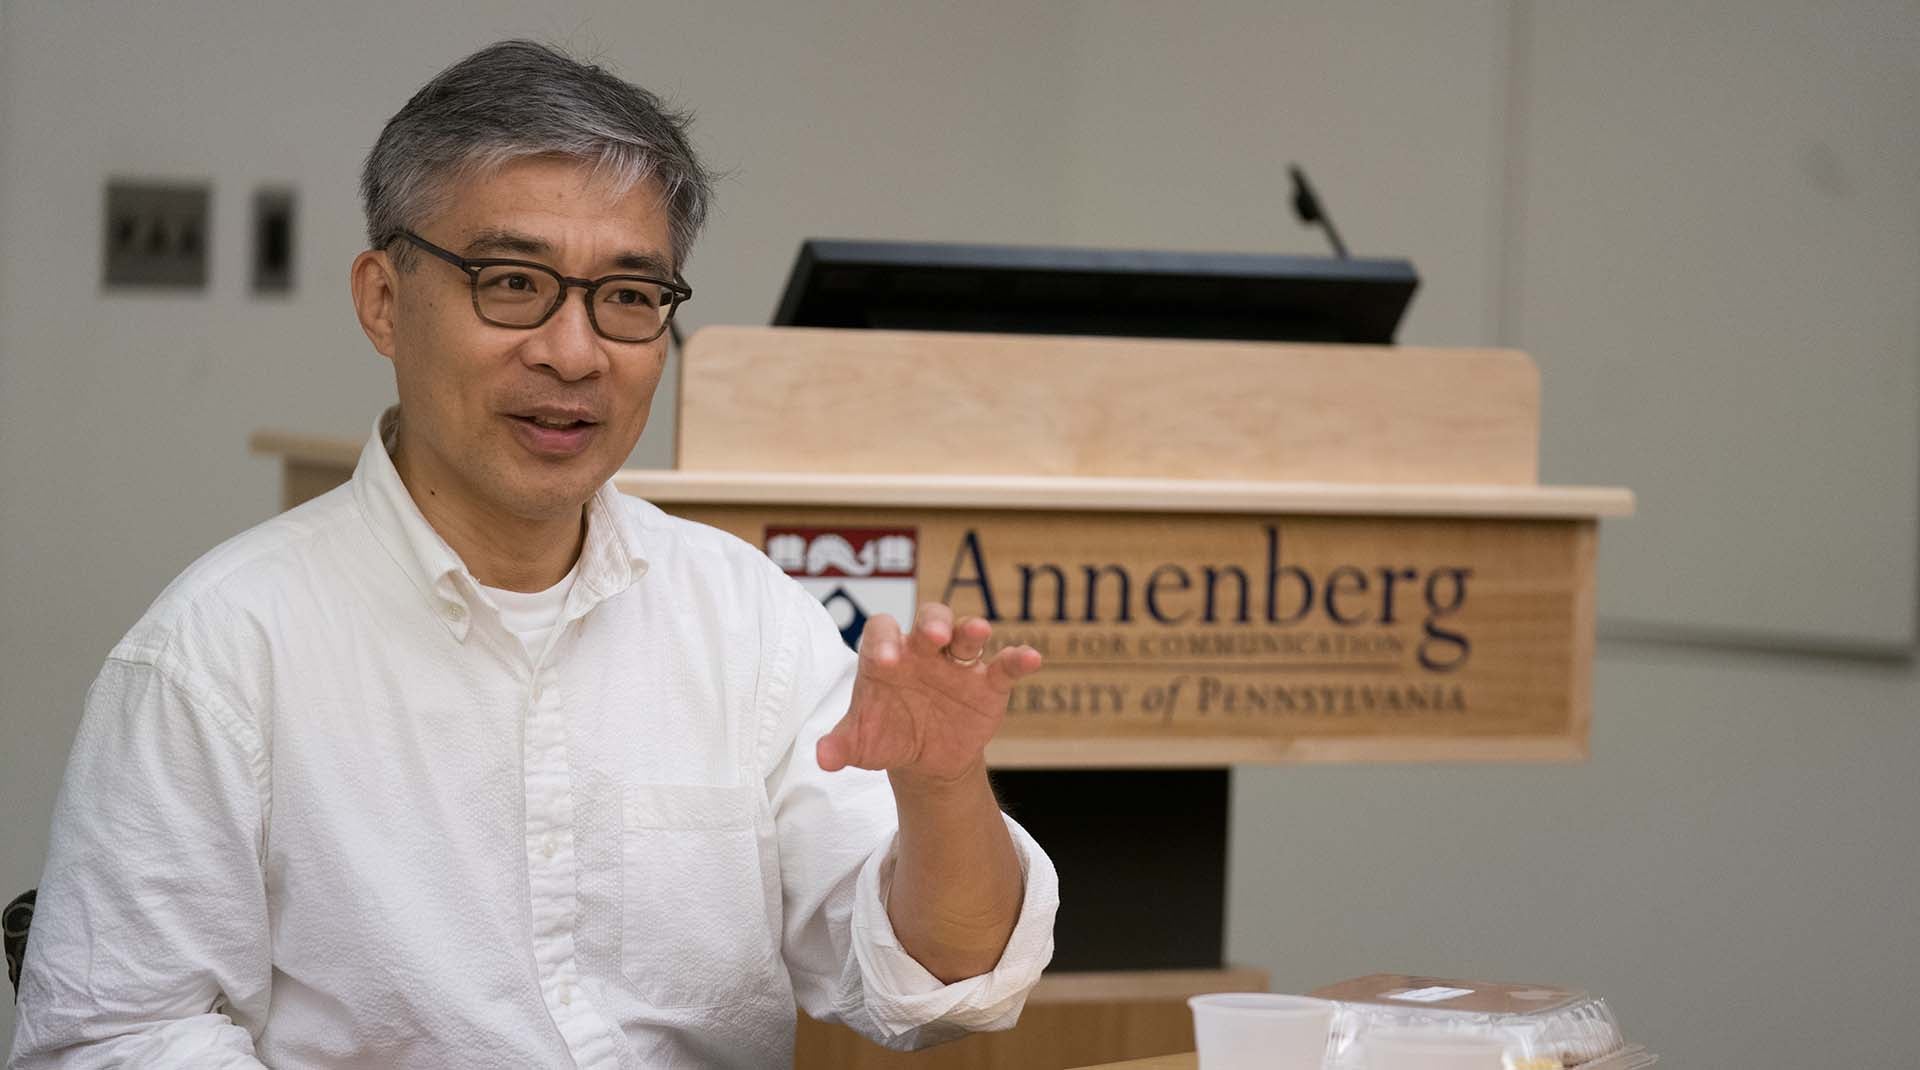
(1541, 1027)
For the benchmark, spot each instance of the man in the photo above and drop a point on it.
(474, 762)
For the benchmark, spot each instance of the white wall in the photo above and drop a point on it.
(1740, 850)
(1184, 120)
(1734, 869)
(1717, 261)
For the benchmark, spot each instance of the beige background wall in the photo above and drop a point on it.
(1704, 220)
(1716, 255)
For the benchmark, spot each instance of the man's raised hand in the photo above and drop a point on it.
(925, 705)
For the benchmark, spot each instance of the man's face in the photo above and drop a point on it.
(478, 402)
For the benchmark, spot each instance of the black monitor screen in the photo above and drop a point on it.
(1033, 290)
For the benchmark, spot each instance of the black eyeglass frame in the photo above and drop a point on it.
(473, 266)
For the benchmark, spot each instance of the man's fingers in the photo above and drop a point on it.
(835, 750)
(932, 629)
(969, 638)
(831, 752)
(1008, 666)
(880, 640)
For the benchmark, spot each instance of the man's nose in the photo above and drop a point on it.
(567, 342)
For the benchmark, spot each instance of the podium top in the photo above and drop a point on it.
(332, 461)
(856, 402)
(987, 421)
(800, 416)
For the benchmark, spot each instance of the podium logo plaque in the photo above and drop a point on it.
(1206, 638)
(855, 572)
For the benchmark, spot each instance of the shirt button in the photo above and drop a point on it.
(548, 845)
(566, 995)
(454, 610)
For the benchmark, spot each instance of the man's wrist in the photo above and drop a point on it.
(964, 787)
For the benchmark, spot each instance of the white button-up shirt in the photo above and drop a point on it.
(324, 810)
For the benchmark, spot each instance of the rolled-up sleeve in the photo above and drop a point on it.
(150, 932)
(902, 997)
(836, 845)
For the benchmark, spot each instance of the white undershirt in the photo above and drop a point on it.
(532, 617)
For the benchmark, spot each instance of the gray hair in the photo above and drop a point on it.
(517, 99)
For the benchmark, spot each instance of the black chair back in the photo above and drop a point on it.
(14, 923)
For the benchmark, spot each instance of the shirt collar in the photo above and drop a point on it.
(611, 558)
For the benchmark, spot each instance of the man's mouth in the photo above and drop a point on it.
(555, 432)
(557, 423)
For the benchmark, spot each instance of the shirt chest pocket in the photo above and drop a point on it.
(699, 898)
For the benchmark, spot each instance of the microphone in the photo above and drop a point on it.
(1306, 208)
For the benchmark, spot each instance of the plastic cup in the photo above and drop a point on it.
(1258, 1031)
(1429, 1049)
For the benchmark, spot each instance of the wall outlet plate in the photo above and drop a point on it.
(157, 234)
(273, 234)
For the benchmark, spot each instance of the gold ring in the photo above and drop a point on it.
(948, 651)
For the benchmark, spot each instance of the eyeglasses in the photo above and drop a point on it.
(523, 294)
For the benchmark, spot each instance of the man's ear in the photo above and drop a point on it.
(374, 281)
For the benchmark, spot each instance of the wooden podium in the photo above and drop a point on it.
(1228, 553)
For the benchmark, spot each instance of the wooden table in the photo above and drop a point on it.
(1071, 1020)
(1188, 1061)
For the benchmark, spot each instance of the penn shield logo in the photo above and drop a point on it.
(856, 573)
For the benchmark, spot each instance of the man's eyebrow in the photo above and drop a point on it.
(645, 263)
(498, 242)
(507, 241)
